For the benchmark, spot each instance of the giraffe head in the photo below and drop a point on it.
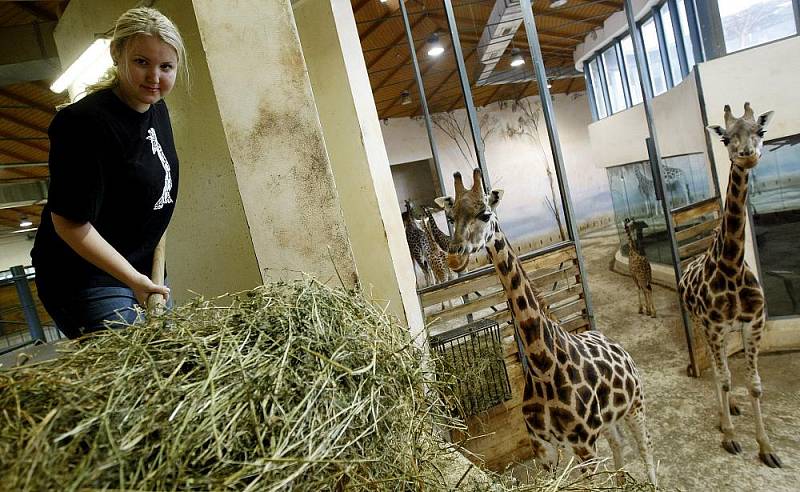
(743, 136)
(472, 213)
(628, 227)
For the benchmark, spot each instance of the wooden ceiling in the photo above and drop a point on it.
(27, 108)
(389, 63)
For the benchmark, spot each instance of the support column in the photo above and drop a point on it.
(353, 139)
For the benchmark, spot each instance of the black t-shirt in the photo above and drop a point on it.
(116, 168)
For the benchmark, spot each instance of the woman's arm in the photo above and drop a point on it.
(90, 245)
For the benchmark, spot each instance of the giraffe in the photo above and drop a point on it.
(641, 273)
(437, 257)
(417, 242)
(577, 387)
(720, 290)
(441, 238)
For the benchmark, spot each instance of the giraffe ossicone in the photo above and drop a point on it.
(577, 387)
(719, 289)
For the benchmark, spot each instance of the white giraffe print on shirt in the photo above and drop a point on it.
(156, 147)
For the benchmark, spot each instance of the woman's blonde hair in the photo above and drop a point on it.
(140, 20)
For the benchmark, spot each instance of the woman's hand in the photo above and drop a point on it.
(143, 288)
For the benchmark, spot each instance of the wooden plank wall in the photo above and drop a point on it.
(498, 435)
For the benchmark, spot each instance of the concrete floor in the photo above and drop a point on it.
(682, 411)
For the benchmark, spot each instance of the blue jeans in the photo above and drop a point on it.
(92, 309)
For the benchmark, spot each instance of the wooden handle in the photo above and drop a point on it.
(156, 302)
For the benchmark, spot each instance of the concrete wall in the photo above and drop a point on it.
(16, 250)
(515, 163)
(341, 86)
(620, 138)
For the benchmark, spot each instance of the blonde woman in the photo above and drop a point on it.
(113, 183)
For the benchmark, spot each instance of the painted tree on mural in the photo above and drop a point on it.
(459, 132)
(527, 125)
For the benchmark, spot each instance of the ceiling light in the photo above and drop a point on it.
(87, 69)
(516, 58)
(435, 47)
(557, 3)
(405, 98)
(25, 223)
(384, 1)
(549, 85)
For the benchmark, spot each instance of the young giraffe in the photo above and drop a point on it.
(719, 289)
(417, 243)
(437, 259)
(577, 387)
(441, 238)
(641, 272)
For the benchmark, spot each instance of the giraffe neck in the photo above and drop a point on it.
(632, 251)
(439, 236)
(539, 334)
(729, 243)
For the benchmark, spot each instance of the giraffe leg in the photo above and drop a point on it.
(615, 441)
(641, 306)
(637, 423)
(541, 455)
(751, 338)
(722, 376)
(651, 307)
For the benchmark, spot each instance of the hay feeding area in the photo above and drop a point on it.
(291, 386)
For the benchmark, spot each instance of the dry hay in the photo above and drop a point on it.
(291, 386)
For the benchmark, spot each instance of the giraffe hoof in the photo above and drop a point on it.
(735, 410)
(732, 446)
(771, 460)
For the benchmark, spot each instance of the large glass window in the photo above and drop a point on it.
(654, 64)
(687, 38)
(672, 46)
(597, 89)
(629, 58)
(614, 79)
(775, 204)
(748, 23)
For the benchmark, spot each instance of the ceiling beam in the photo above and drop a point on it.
(393, 43)
(28, 143)
(27, 101)
(23, 123)
(36, 11)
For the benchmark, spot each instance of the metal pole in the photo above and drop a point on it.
(676, 31)
(638, 49)
(555, 147)
(666, 64)
(694, 31)
(710, 27)
(465, 88)
(26, 300)
(590, 92)
(422, 98)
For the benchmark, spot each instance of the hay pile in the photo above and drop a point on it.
(292, 386)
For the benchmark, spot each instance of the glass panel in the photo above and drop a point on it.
(686, 180)
(597, 89)
(775, 204)
(687, 38)
(614, 79)
(672, 46)
(748, 23)
(630, 68)
(654, 64)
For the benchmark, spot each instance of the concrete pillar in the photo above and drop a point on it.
(354, 141)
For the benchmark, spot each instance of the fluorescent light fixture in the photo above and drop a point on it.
(405, 98)
(516, 58)
(435, 47)
(549, 85)
(87, 69)
(25, 223)
(557, 3)
(384, 1)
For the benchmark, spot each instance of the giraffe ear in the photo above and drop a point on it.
(716, 130)
(494, 198)
(445, 202)
(764, 119)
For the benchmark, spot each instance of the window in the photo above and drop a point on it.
(775, 203)
(672, 46)
(631, 72)
(614, 79)
(654, 64)
(748, 23)
(597, 89)
(687, 39)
